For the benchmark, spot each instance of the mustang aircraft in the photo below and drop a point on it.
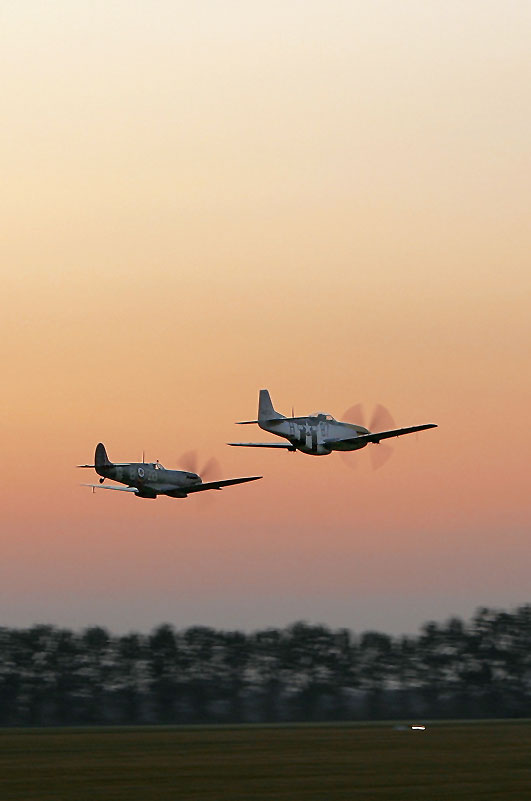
(147, 480)
(317, 434)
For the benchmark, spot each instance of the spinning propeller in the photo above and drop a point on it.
(190, 462)
(380, 420)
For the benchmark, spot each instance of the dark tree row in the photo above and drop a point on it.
(52, 676)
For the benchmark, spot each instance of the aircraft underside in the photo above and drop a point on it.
(325, 449)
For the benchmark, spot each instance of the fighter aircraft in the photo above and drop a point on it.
(317, 434)
(149, 479)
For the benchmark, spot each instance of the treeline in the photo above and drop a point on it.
(53, 676)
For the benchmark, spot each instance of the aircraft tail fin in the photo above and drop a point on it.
(265, 407)
(100, 457)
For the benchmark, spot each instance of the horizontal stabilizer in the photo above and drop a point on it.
(111, 487)
(279, 419)
(111, 464)
(285, 445)
(266, 420)
(227, 482)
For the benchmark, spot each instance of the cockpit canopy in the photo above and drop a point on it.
(322, 416)
(158, 466)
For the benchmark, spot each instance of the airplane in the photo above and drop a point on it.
(316, 434)
(148, 480)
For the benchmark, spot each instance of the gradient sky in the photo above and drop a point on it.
(328, 199)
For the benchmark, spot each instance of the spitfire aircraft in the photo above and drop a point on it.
(317, 434)
(147, 480)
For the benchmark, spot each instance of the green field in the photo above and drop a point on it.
(487, 760)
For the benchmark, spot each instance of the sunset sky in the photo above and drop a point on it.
(327, 199)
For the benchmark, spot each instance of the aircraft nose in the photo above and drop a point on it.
(193, 477)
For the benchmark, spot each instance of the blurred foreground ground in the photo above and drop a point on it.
(477, 760)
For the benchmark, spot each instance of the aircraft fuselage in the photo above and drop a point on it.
(317, 434)
(151, 479)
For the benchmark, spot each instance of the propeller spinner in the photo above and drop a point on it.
(381, 419)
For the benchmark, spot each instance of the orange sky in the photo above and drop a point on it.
(330, 200)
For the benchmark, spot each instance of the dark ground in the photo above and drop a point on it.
(474, 761)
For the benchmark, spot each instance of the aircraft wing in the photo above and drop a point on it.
(285, 445)
(111, 486)
(227, 482)
(376, 437)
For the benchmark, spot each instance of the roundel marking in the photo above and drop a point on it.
(141, 472)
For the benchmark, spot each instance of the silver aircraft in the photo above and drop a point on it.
(149, 479)
(317, 434)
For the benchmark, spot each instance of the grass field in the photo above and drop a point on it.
(475, 761)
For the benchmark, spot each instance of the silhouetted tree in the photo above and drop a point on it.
(52, 676)
(202, 671)
(162, 657)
